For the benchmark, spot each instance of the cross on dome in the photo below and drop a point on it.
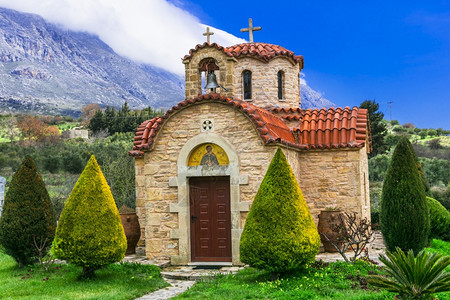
(250, 29)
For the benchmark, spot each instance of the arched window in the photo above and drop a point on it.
(280, 78)
(247, 80)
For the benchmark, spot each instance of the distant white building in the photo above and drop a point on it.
(76, 132)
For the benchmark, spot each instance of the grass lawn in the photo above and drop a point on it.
(117, 281)
(337, 280)
(441, 247)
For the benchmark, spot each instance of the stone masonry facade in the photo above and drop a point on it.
(328, 178)
(225, 74)
(265, 84)
(230, 76)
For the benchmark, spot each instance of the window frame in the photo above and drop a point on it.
(247, 87)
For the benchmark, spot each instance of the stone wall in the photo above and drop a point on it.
(335, 179)
(265, 81)
(155, 195)
(229, 75)
(328, 178)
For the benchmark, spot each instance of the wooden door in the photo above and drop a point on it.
(210, 218)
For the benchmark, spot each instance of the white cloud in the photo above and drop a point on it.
(302, 78)
(148, 31)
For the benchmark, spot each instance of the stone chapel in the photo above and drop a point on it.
(199, 166)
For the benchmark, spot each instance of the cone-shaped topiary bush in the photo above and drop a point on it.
(89, 232)
(28, 215)
(279, 233)
(404, 215)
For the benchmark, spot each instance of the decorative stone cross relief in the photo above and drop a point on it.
(250, 29)
(208, 34)
(207, 125)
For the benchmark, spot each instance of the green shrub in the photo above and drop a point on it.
(27, 216)
(414, 277)
(378, 166)
(374, 217)
(279, 233)
(51, 163)
(72, 163)
(404, 215)
(442, 194)
(439, 219)
(89, 231)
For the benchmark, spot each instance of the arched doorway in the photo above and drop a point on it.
(189, 169)
(209, 202)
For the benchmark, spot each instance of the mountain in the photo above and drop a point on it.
(47, 69)
(311, 98)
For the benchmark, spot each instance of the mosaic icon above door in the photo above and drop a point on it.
(208, 155)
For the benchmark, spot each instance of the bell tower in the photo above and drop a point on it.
(264, 74)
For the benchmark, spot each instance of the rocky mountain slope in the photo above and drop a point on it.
(43, 67)
(46, 69)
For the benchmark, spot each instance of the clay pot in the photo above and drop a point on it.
(327, 218)
(132, 229)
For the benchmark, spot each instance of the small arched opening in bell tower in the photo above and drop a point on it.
(247, 84)
(208, 66)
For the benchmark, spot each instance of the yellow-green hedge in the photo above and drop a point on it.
(89, 231)
(279, 233)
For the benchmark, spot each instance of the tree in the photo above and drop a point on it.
(432, 132)
(404, 217)
(31, 127)
(110, 118)
(51, 134)
(377, 127)
(279, 233)
(423, 133)
(89, 232)
(27, 216)
(97, 122)
(391, 140)
(8, 128)
(88, 111)
(378, 166)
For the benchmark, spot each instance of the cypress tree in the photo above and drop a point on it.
(279, 234)
(404, 217)
(28, 215)
(89, 232)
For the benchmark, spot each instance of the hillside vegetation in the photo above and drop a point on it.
(61, 161)
(432, 147)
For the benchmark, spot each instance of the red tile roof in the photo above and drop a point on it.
(334, 128)
(262, 51)
(317, 129)
(270, 128)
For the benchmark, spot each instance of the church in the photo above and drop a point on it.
(199, 167)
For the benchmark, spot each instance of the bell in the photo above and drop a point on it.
(211, 82)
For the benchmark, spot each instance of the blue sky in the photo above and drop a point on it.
(387, 51)
(395, 51)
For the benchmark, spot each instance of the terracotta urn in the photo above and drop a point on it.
(130, 223)
(328, 218)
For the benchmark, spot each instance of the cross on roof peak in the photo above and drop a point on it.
(250, 29)
(208, 34)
